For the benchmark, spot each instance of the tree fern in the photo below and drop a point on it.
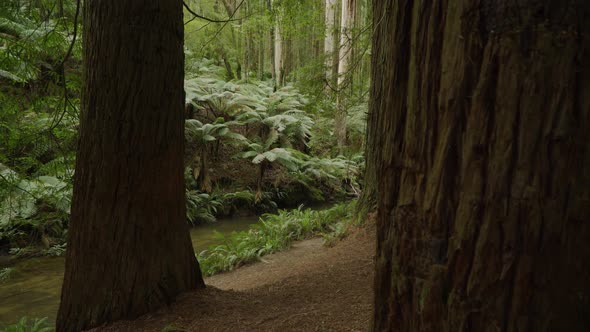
(201, 207)
(30, 40)
(201, 135)
(24, 197)
(263, 154)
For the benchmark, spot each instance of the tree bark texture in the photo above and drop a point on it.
(368, 198)
(344, 77)
(272, 61)
(278, 55)
(288, 59)
(261, 47)
(330, 37)
(481, 110)
(129, 249)
(278, 50)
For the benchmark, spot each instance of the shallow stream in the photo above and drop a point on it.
(33, 289)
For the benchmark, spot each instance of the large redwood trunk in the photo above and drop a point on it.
(129, 249)
(482, 113)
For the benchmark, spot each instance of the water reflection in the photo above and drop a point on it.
(34, 286)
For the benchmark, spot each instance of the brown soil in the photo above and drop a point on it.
(309, 288)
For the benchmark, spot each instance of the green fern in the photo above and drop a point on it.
(23, 199)
(273, 232)
(5, 273)
(199, 136)
(201, 207)
(29, 325)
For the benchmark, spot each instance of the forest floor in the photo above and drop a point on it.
(309, 287)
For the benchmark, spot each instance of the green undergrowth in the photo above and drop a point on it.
(273, 233)
(28, 325)
(276, 232)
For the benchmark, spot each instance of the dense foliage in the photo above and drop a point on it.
(39, 98)
(273, 233)
(259, 124)
(253, 143)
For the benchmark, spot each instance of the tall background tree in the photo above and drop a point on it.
(481, 114)
(279, 56)
(318, 46)
(330, 44)
(128, 247)
(347, 23)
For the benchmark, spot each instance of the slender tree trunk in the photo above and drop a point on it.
(229, 6)
(246, 59)
(288, 59)
(60, 8)
(228, 69)
(336, 46)
(278, 48)
(261, 55)
(247, 42)
(482, 113)
(129, 250)
(278, 54)
(204, 177)
(273, 69)
(260, 182)
(344, 77)
(262, 47)
(329, 39)
(230, 9)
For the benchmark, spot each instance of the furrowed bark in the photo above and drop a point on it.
(481, 113)
(129, 250)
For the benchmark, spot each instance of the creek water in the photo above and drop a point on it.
(33, 288)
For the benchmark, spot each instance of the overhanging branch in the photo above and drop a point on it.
(206, 18)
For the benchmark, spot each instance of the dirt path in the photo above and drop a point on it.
(307, 288)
